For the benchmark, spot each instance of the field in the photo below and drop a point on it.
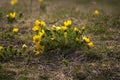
(101, 20)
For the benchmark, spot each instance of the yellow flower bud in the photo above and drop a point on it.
(97, 12)
(86, 39)
(15, 30)
(90, 45)
(40, 1)
(1, 48)
(13, 2)
(77, 39)
(52, 39)
(83, 28)
(41, 33)
(76, 29)
(24, 46)
(35, 28)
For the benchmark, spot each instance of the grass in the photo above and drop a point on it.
(99, 63)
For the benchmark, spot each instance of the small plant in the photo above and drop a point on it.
(7, 53)
(7, 34)
(62, 37)
(10, 33)
(65, 62)
(42, 5)
(11, 17)
(20, 15)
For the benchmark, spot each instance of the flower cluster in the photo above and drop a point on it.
(6, 53)
(39, 29)
(89, 43)
(66, 35)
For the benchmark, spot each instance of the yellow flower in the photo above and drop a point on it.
(40, 1)
(1, 48)
(97, 12)
(37, 22)
(77, 39)
(36, 39)
(43, 23)
(15, 30)
(24, 46)
(64, 28)
(12, 15)
(13, 2)
(67, 23)
(52, 39)
(76, 29)
(86, 39)
(35, 28)
(90, 45)
(39, 49)
(83, 28)
(57, 28)
(41, 33)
